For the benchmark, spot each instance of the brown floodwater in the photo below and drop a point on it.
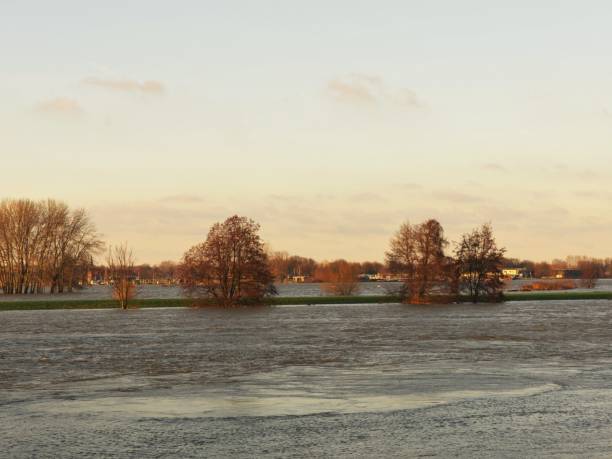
(517, 379)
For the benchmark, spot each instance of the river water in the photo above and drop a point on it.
(97, 292)
(528, 379)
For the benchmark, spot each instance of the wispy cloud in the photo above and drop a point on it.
(126, 85)
(591, 194)
(353, 89)
(370, 90)
(60, 105)
(408, 186)
(182, 199)
(367, 197)
(456, 197)
(494, 167)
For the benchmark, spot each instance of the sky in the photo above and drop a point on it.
(328, 122)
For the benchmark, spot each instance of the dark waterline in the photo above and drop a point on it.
(530, 379)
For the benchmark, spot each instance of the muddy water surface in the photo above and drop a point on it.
(518, 379)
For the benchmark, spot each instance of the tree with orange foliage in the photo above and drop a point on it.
(340, 277)
(231, 266)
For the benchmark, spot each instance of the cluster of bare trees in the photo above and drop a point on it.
(285, 267)
(47, 247)
(417, 255)
(232, 264)
(165, 273)
(44, 246)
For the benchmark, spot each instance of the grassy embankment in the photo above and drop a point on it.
(558, 296)
(278, 301)
(184, 302)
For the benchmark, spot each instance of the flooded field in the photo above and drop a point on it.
(98, 292)
(517, 379)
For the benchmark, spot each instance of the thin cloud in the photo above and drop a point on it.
(588, 174)
(364, 89)
(456, 197)
(285, 198)
(60, 105)
(494, 167)
(126, 85)
(354, 89)
(182, 199)
(409, 186)
(156, 218)
(406, 98)
(367, 197)
(594, 194)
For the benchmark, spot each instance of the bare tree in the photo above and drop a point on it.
(340, 277)
(590, 272)
(479, 261)
(120, 261)
(231, 266)
(416, 254)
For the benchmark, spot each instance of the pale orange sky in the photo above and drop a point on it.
(330, 124)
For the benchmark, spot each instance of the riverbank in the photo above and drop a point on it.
(28, 305)
(558, 296)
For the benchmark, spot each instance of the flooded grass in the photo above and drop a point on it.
(26, 305)
(59, 303)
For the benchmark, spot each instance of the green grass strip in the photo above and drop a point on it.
(26, 305)
(558, 296)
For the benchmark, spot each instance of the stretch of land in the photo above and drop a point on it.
(278, 301)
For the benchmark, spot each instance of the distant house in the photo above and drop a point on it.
(515, 273)
(297, 279)
(371, 277)
(381, 277)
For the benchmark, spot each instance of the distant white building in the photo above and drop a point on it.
(297, 279)
(515, 273)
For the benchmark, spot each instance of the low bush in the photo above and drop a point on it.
(543, 286)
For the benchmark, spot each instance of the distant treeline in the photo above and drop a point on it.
(165, 272)
(295, 268)
(287, 267)
(587, 266)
